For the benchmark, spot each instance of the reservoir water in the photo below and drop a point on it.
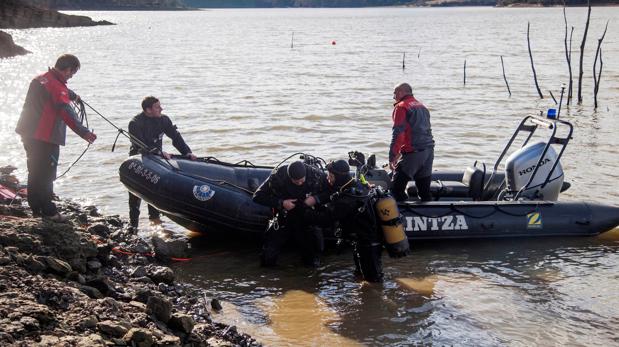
(237, 90)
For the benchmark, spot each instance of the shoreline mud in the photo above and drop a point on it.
(90, 281)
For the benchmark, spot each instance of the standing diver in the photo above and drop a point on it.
(353, 206)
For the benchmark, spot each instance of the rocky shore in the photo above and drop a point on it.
(8, 48)
(15, 14)
(91, 282)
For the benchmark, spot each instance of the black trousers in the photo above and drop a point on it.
(42, 163)
(134, 210)
(368, 262)
(308, 238)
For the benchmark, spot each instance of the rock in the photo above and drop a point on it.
(181, 322)
(8, 48)
(160, 274)
(93, 265)
(102, 284)
(93, 293)
(34, 265)
(4, 260)
(99, 230)
(170, 248)
(139, 271)
(139, 337)
(142, 294)
(76, 277)
(18, 15)
(217, 342)
(160, 308)
(89, 322)
(58, 266)
(169, 340)
(216, 305)
(111, 328)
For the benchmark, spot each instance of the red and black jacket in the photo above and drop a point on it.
(411, 128)
(47, 110)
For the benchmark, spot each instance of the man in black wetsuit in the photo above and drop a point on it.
(353, 207)
(289, 191)
(149, 127)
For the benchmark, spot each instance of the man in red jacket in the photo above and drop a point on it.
(43, 126)
(412, 146)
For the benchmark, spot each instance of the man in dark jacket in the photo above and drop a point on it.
(43, 126)
(289, 190)
(149, 128)
(412, 146)
(352, 206)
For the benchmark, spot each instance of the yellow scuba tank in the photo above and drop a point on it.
(396, 241)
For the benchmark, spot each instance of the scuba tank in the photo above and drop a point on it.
(396, 241)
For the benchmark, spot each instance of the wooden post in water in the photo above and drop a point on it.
(419, 53)
(465, 72)
(596, 79)
(292, 41)
(568, 56)
(541, 96)
(582, 52)
(403, 59)
(504, 77)
(553, 97)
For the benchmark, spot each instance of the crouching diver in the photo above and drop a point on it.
(353, 206)
(289, 190)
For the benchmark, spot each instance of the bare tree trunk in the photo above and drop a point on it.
(504, 77)
(465, 72)
(568, 56)
(596, 79)
(541, 96)
(582, 52)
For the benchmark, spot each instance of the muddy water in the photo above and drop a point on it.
(235, 88)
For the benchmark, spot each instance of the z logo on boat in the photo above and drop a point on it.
(203, 192)
(534, 220)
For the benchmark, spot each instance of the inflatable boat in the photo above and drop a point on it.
(517, 198)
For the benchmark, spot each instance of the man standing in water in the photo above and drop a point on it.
(289, 190)
(43, 127)
(412, 146)
(149, 127)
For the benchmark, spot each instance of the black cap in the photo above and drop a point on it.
(339, 167)
(296, 170)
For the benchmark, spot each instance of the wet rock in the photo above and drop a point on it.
(160, 274)
(99, 230)
(159, 307)
(216, 305)
(170, 248)
(181, 322)
(139, 337)
(82, 218)
(4, 260)
(111, 328)
(139, 271)
(58, 266)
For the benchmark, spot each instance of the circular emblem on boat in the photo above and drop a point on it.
(203, 192)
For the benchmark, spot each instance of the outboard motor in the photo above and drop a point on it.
(521, 164)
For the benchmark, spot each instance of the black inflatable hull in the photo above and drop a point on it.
(216, 197)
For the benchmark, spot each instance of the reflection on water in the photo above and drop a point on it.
(488, 293)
